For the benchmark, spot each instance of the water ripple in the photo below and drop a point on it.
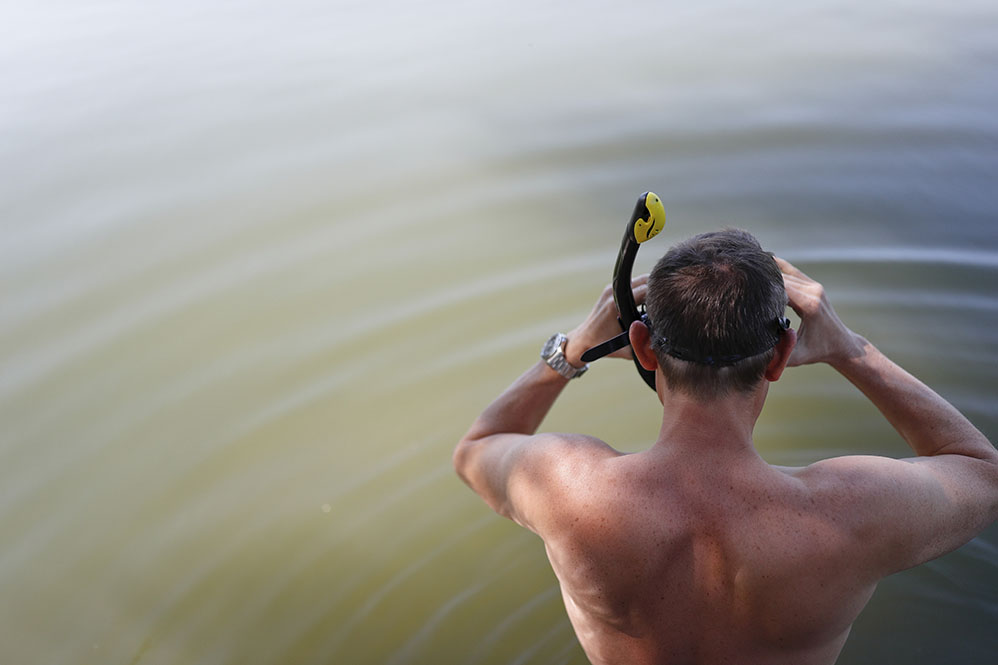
(946, 256)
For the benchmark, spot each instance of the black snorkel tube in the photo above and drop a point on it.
(646, 221)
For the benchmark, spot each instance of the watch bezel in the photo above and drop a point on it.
(553, 345)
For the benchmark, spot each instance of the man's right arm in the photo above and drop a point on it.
(911, 510)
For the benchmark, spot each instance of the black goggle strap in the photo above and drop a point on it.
(782, 323)
(622, 340)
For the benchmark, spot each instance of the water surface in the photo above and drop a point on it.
(263, 263)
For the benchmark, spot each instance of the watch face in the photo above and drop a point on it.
(549, 346)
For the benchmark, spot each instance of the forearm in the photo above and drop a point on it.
(926, 421)
(521, 408)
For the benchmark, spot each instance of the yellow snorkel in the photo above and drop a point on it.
(646, 221)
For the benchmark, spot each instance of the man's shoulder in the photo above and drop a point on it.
(580, 445)
(900, 512)
(557, 455)
(864, 495)
(850, 484)
(553, 474)
(856, 472)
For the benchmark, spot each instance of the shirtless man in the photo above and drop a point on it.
(696, 550)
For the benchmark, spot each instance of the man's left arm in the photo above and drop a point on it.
(499, 456)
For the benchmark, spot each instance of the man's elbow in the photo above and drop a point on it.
(983, 475)
(461, 459)
(466, 465)
(992, 479)
(458, 457)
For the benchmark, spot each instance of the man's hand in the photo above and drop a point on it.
(602, 324)
(822, 336)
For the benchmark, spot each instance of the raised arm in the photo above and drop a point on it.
(917, 508)
(501, 457)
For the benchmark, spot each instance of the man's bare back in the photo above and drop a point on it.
(654, 558)
(698, 551)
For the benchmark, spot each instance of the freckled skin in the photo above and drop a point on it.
(670, 569)
(696, 551)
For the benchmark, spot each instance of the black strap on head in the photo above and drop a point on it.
(780, 324)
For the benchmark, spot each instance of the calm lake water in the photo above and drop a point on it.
(262, 263)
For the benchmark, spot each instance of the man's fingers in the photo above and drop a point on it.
(799, 296)
(795, 305)
(803, 293)
(788, 268)
(639, 286)
(640, 293)
(785, 266)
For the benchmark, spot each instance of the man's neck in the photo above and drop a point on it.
(721, 426)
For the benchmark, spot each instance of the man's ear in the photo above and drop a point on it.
(783, 350)
(641, 344)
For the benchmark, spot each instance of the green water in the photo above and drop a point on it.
(261, 265)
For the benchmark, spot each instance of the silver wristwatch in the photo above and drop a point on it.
(553, 353)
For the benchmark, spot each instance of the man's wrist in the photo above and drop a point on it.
(856, 348)
(574, 348)
(554, 354)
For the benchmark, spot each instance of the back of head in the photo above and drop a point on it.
(714, 304)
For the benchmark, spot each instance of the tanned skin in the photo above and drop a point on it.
(696, 551)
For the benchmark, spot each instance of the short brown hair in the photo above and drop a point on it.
(713, 305)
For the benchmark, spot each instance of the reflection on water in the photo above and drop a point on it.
(262, 265)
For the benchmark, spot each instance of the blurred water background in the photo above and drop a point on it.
(262, 263)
